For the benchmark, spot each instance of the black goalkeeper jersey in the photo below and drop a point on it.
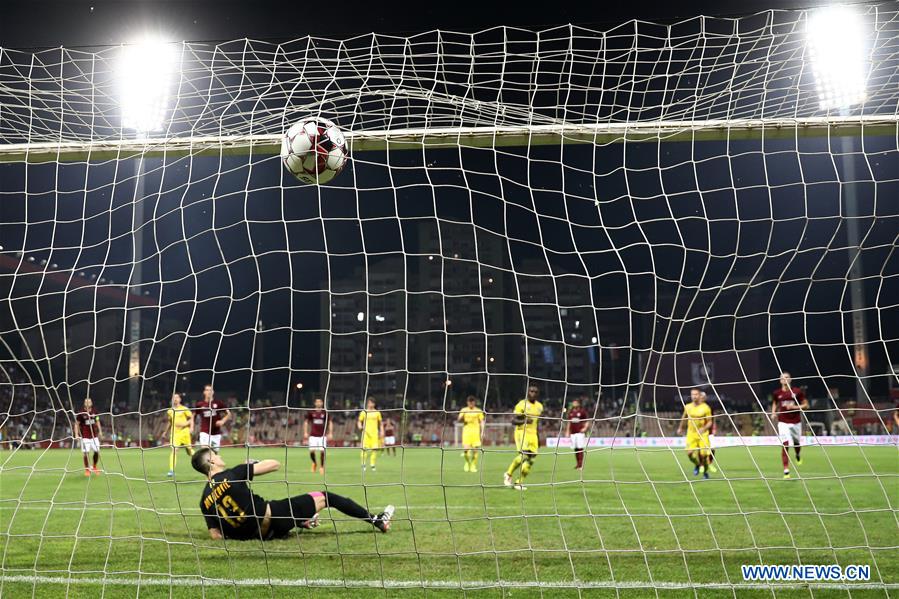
(229, 505)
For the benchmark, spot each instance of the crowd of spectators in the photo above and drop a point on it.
(30, 417)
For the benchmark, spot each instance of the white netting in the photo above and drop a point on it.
(621, 214)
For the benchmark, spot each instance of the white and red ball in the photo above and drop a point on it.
(314, 150)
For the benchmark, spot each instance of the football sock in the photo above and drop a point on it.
(86, 465)
(96, 457)
(312, 456)
(693, 459)
(525, 470)
(347, 506)
(374, 457)
(514, 465)
(797, 451)
(475, 455)
(173, 458)
(784, 457)
(321, 458)
(362, 454)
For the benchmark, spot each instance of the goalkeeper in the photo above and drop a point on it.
(527, 413)
(233, 511)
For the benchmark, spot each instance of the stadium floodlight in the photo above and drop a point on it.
(145, 71)
(836, 38)
(836, 47)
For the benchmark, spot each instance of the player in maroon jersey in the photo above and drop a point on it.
(389, 436)
(213, 415)
(314, 426)
(577, 423)
(88, 430)
(787, 405)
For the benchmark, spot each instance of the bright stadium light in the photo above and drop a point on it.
(836, 47)
(145, 71)
(837, 41)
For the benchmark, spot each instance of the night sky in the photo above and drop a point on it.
(42, 24)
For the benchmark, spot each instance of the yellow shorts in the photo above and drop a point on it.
(370, 442)
(472, 439)
(700, 442)
(181, 438)
(526, 442)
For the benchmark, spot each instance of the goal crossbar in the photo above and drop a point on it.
(475, 137)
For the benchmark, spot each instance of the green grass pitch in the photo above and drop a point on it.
(638, 525)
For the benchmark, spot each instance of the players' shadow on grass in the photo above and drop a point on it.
(322, 532)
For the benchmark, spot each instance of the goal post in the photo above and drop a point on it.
(625, 218)
(469, 137)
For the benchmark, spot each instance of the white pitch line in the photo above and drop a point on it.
(196, 512)
(495, 511)
(196, 581)
(143, 508)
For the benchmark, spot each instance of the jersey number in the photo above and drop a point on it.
(231, 512)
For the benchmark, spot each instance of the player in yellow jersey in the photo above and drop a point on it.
(527, 413)
(697, 419)
(472, 418)
(711, 460)
(372, 426)
(181, 430)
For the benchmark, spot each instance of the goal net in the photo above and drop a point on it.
(615, 217)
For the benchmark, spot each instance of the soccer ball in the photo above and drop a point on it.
(314, 150)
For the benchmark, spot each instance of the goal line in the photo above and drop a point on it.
(473, 137)
(387, 583)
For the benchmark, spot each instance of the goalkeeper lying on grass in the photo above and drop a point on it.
(232, 511)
